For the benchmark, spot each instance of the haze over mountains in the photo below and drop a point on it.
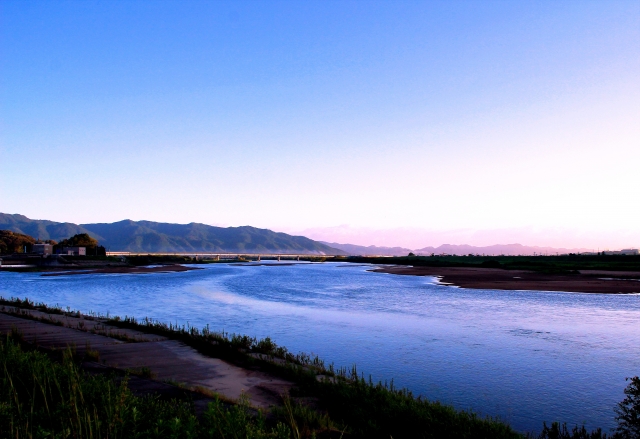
(449, 249)
(154, 237)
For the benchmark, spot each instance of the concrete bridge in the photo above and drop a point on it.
(232, 256)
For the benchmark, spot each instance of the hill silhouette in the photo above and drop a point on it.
(449, 249)
(40, 229)
(154, 237)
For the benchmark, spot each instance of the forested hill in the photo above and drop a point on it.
(148, 236)
(40, 229)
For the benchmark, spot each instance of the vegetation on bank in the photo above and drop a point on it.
(562, 264)
(324, 402)
(11, 242)
(81, 240)
(40, 398)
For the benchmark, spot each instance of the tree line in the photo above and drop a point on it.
(13, 242)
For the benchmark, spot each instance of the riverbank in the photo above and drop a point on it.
(295, 390)
(124, 349)
(589, 281)
(176, 368)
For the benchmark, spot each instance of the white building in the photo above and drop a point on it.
(74, 251)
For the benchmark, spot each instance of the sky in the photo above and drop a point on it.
(408, 123)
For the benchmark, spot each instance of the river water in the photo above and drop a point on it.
(523, 356)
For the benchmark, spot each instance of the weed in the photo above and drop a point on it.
(41, 398)
(143, 372)
(91, 354)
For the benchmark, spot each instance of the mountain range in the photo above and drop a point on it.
(449, 249)
(154, 237)
(371, 250)
(496, 250)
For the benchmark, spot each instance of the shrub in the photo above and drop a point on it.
(628, 411)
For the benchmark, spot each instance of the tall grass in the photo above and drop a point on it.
(40, 398)
(377, 410)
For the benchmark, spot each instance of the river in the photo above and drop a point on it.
(523, 356)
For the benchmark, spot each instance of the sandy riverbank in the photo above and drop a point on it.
(498, 279)
(127, 270)
(169, 361)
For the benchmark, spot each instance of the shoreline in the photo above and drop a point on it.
(591, 281)
(182, 363)
(172, 365)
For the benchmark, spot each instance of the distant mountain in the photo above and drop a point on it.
(372, 250)
(152, 237)
(449, 249)
(41, 229)
(496, 250)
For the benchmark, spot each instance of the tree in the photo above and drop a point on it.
(11, 242)
(82, 240)
(628, 411)
(79, 240)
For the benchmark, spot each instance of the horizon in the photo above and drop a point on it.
(402, 124)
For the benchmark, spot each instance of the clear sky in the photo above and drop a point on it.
(514, 121)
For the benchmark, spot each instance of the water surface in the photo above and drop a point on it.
(524, 356)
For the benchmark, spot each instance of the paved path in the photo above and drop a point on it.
(168, 360)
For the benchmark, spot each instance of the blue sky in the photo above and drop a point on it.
(303, 116)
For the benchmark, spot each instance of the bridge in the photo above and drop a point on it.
(232, 256)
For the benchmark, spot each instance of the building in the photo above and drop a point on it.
(74, 251)
(626, 251)
(42, 249)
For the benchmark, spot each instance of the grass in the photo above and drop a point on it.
(143, 372)
(377, 410)
(330, 403)
(40, 398)
(91, 354)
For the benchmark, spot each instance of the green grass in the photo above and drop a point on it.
(376, 410)
(40, 398)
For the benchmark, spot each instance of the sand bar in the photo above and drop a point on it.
(124, 270)
(499, 279)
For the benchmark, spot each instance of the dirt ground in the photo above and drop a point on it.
(169, 361)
